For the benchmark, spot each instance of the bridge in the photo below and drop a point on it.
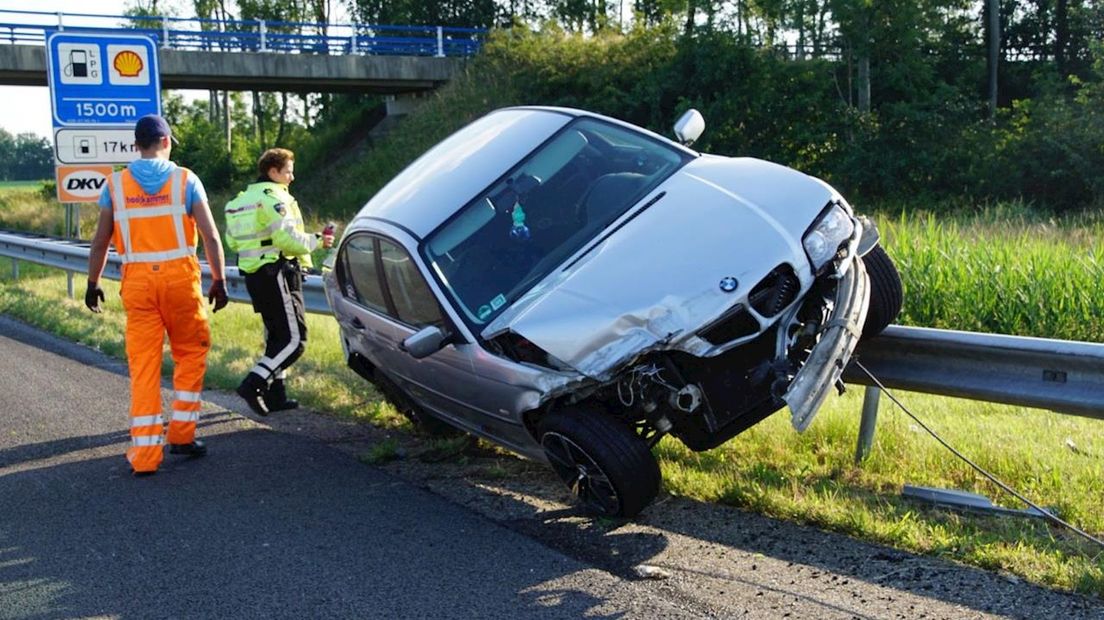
(258, 55)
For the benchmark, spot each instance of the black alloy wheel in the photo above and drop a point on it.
(608, 468)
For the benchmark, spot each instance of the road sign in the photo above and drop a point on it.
(81, 183)
(102, 79)
(94, 144)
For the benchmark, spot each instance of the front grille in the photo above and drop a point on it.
(775, 292)
(736, 324)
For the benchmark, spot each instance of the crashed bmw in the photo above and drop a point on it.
(575, 288)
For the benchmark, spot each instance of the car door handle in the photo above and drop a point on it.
(357, 323)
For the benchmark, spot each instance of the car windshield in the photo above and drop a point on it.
(542, 211)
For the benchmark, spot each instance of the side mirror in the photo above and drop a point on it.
(689, 127)
(425, 342)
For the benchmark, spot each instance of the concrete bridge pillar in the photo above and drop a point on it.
(401, 105)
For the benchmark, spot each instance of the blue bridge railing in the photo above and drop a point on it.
(251, 35)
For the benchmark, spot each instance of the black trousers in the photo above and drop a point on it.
(277, 294)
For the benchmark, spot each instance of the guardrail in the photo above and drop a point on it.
(72, 256)
(1063, 376)
(252, 35)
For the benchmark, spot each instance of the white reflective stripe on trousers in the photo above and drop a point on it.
(147, 440)
(145, 420)
(187, 397)
(185, 416)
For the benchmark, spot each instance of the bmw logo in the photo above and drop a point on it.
(729, 284)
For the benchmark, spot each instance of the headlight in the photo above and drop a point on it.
(825, 237)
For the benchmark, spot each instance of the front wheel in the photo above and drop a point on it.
(607, 467)
(886, 294)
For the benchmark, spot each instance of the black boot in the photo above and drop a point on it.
(276, 398)
(195, 449)
(252, 390)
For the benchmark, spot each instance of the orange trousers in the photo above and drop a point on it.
(163, 298)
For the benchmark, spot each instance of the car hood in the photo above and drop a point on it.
(655, 279)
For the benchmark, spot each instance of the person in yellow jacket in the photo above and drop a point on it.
(265, 227)
(151, 212)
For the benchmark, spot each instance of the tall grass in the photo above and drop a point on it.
(1025, 274)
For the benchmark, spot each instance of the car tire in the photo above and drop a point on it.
(608, 468)
(886, 293)
(423, 421)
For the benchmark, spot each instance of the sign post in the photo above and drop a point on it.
(100, 85)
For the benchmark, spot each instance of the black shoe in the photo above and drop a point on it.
(252, 391)
(276, 398)
(195, 449)
(142, 474)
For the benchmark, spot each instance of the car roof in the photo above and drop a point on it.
(454, 171)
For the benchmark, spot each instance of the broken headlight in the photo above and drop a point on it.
(826, 236)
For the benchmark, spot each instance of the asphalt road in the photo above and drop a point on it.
(282, 521)
(268, 525)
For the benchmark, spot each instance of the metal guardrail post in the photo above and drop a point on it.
(440, 42)
(15, 269)
(164, 32)
(869, 420)
(264, 40)
(353, 41)
(61, 26)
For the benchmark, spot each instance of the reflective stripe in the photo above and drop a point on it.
(307, 240)
(157, 257)
(188, 397)
(178, 222)
(145, 420)
(118, 213)
(173, 209)
(185, 416)
(264, 234)
(147, 440)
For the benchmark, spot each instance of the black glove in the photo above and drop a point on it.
(217, 295)
(93, 296)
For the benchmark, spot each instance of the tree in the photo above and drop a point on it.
(25, 157)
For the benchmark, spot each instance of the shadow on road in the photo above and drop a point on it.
(267, 525)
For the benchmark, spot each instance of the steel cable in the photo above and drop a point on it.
(1049, 516)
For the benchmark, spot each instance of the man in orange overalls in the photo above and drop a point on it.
(151, 212)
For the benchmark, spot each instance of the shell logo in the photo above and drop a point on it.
(127, 63)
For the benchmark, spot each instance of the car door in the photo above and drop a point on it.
(394, 301)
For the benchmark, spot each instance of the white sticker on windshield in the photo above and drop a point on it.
(484, 312)
(498, 301)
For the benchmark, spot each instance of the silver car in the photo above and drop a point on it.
(574, 288)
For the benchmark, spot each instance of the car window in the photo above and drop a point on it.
(542, 211)
(414, 302)
(359, 276)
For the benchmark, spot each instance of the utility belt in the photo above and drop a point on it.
(290, 261)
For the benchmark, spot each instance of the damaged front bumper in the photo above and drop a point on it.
(829, 357)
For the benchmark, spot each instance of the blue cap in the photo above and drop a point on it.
(149, 129)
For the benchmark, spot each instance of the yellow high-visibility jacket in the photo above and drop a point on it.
(262, 223)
